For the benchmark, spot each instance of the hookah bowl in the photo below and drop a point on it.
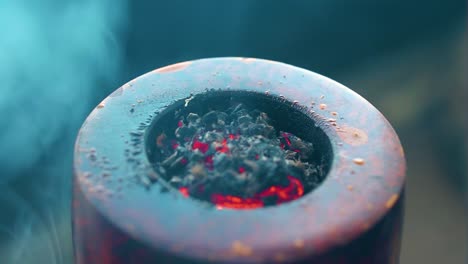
(121, 216)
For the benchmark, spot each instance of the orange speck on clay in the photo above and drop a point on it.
(391, 201)
(323, 106)
(352, 135)
(359, 161)
(350, 187)
(334, 113)
(173, 67)
(299, 243)
(241, 249)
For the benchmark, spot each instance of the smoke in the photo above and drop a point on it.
(53, 55)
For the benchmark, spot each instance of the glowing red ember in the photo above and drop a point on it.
(283, 194)
(286, 138)
(224, 148)
(184, 191)
(203, 147)
(234, 202)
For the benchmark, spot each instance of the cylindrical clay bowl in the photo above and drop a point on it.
(353, 216)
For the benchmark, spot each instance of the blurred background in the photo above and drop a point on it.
(58, 59)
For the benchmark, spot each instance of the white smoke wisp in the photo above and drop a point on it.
(52, 55)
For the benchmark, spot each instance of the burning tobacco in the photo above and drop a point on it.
(236, 159)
